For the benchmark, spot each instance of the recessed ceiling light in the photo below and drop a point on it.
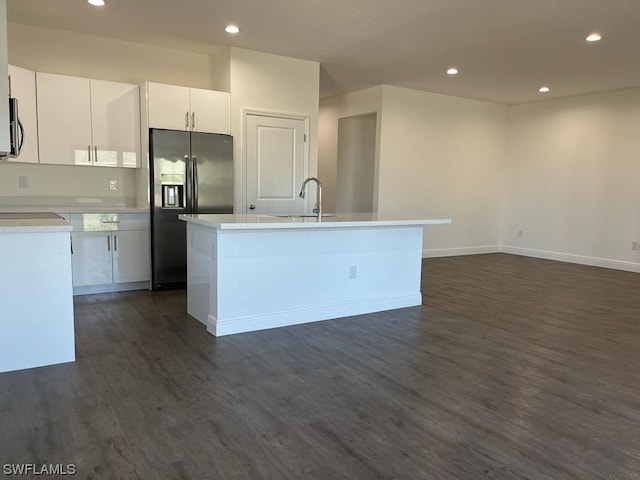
(452, 71)
(96, 3)
(594, 37)
(232, 29)
(544, 89)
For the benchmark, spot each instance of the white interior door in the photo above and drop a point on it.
(275, 152)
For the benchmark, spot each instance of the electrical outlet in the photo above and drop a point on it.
(23, 181)
(113, 185)
(353, 271)
(520, 233)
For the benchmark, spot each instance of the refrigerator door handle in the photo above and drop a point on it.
(195, 184)
(188, 184)
(21, 127)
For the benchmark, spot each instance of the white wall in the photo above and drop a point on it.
(356, 163)
(66, 185)
(221, 70)
(574, 179)
(331, 111)
(271, 83)
(66, 53)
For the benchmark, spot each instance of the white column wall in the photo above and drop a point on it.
(271, 83)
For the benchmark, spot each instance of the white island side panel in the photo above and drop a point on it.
(269, 278)
(36, 324)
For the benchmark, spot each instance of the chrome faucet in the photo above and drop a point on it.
(318, 208)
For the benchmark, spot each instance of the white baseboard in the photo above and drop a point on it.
(110, 287)
(530, 252)
(313, 314)
(571, 258)
(451, 252)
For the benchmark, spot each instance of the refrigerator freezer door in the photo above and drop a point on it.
(212, 156)
(167, 151)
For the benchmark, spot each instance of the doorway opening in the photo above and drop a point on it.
(355, 173)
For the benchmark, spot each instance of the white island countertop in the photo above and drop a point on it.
(242, 221)
(22, 222)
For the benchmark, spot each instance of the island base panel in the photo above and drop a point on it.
(240, 281)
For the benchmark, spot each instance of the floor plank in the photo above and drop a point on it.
(514, 368)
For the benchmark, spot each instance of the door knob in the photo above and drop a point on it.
(252, 207)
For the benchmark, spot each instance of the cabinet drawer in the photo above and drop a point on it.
(98, 222)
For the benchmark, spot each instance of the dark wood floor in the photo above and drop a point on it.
(515, 368)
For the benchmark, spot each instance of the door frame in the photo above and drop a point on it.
(246, 111)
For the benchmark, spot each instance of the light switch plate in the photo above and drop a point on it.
(23, 181)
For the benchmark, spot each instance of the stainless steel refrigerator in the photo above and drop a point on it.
(190, 172)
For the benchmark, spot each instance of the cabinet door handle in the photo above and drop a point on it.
(89, 152)
(95, 155)
(115, 243)
(71, 239)
(193, 120)
(108, 243)
(186, 121)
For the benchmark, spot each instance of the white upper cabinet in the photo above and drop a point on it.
(209, 111)
(168, 106)
(182, 108)
(88, 122)
(23, 88)
(115, 121)
(64, 119)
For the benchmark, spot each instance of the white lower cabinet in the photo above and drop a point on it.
(110, 252)
(91, 258)
(130, 256)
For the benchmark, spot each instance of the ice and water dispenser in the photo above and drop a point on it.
(172, 190)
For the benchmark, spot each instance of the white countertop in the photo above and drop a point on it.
(75, 209)
(34, 225)
(241, 221)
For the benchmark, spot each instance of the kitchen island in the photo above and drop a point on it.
(251, 272)
(36, 323)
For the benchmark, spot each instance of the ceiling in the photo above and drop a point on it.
(504, 49)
